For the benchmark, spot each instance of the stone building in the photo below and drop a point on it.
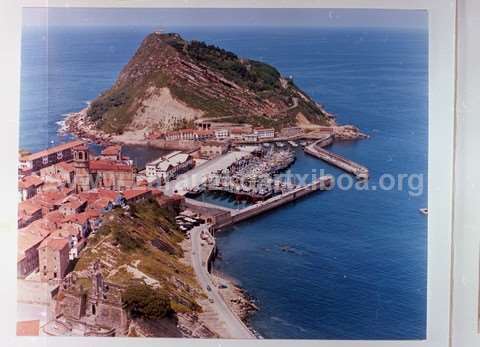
(94, 311)
(113, 152)
(63, 171)
(27, 253)
(81, 164)
(29, 186)
(54, 258)
(28, 212)
(101, 173)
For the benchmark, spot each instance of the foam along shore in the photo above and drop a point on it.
(77, 123)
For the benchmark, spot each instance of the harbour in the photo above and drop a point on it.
(355, 260)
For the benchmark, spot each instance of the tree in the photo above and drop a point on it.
(141, 301)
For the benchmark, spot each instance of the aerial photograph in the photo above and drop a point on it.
(223, 173)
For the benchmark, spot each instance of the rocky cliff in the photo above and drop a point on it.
(170, 82)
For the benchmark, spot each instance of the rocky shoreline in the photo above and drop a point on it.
(205, 324)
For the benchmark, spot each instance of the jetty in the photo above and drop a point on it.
(316, 149)
(221, 217)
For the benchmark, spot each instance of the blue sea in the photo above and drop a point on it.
(342, 264)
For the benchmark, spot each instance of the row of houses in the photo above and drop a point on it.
(36, 161)
(55, 238)
(220, 133)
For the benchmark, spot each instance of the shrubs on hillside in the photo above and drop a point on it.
(143, 302)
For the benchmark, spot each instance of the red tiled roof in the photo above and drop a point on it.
(79, 218)
(55, 243)
(74, 203)
(40, 227)
(54, 217)
(50, 198)
(89, 196)
(107, 193)
(109, 165)
(112, 150)
(52, 150)
(28, 207)
(29, 181)
(240, 131)
(28, 328)
(92, 213)
(25, 241)
(101, 203)
(133, 193)
(65, 166)
(66, 230)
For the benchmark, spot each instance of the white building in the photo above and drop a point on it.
(263, 133)
(168, 167)
(250, 137)
(222, 134)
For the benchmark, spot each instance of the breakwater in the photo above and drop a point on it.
(221, 217)
(316, 150)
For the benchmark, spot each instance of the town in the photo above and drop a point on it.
(66, 190)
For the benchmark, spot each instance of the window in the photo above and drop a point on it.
(54, 275)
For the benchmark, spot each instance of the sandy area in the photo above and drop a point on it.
(161, 109)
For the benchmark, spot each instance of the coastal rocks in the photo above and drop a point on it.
(243, 305)
(348, 132)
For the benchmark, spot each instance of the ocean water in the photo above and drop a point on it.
(334, 265)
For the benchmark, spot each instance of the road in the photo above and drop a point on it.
(235, 327)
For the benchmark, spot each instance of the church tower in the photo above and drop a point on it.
(82, 168)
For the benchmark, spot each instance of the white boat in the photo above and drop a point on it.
(293, 143)
(424, 211)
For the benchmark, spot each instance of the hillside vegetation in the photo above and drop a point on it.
(140, 247)
(209, 80)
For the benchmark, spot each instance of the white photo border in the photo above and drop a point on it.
(442, 14)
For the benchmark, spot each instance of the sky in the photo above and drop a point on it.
(225, 17)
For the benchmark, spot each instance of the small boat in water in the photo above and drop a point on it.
(424, 211)
(293, 143)
(266, 144)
